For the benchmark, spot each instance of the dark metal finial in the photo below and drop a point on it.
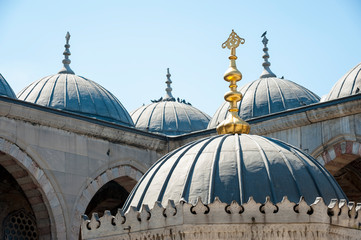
(66, 61)
(67, 37)
(266, 70)
(168, 95)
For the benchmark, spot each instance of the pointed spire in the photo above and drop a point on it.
(266, 71)
(168, 96)
(66, 61)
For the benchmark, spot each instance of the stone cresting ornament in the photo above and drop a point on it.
(284, 220)
(233, 123)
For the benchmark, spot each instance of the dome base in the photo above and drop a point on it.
(233, 124)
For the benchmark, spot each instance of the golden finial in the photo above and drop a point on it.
(233, 123)
(233, 42)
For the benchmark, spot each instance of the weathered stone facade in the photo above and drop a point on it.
(60, 160)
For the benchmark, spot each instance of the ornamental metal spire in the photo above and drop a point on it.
(233, 123)
(168, 96)
(66, 61)
(266, 71)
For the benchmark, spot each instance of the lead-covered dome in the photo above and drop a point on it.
(266, 96)
(347, 85)
(234, 167)
(169, 116)
(76, 94)
(5, 89)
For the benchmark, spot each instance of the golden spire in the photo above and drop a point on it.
(233, 123)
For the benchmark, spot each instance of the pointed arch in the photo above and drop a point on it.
(127, 176)
(37, 188)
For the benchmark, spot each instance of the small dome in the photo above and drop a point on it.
(234, 167)
(266, 96)
(5, 89)
(347, 85)
(169, 116)
(76, 94)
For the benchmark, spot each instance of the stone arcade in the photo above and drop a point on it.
(68, 147)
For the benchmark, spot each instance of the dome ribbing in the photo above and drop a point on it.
(76, 94)
(5, 89)
(266, 96)
(169, 116)
(234, 167)
(347, 85)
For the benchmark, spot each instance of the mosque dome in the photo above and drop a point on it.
(235, 167)
(76, 94)
(169, 116)
(267, 95)
(347, 85)
(5, 89)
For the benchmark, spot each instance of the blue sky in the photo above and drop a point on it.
(126, 46)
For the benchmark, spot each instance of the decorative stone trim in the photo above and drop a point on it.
(38, 190)
(218, 220)
(340, 153)
(306, 115)
(95, 185)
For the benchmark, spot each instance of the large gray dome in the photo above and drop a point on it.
(5, 89)
(347, 85)
(169, 116)
(234, 167)
(77, 95)
(266, 96)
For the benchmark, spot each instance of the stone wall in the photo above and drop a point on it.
(76, 155)
(68, 158)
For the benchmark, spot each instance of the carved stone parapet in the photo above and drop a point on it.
(218, 220)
